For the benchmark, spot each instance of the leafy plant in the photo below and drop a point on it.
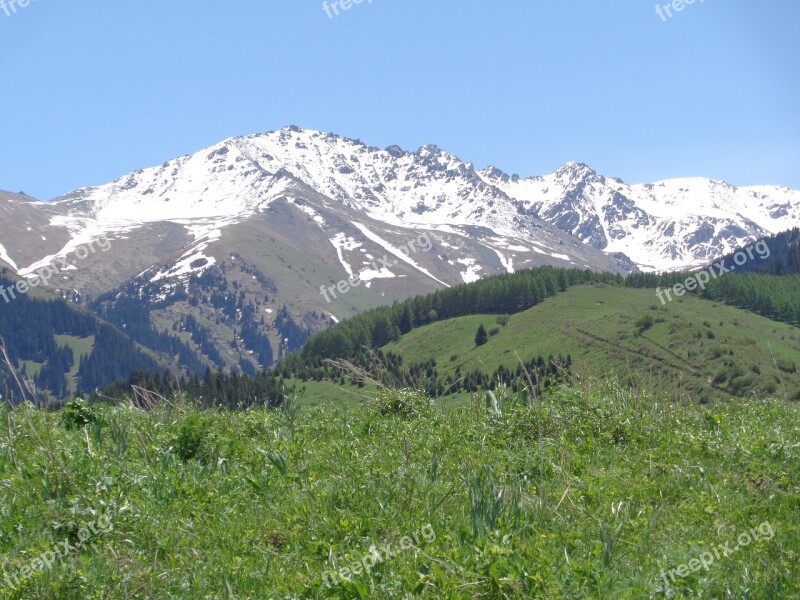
(587, 492)
(644, 323)
(77, 414)
(407, 403)
(192, 434)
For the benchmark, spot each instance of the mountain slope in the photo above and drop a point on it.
(692, 349)
(280, 220)
(667, 225)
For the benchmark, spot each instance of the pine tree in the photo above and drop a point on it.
(481, 337)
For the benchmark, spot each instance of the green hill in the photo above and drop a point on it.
(691, 346)
(565, 325)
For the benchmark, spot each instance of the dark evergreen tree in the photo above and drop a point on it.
(481, 336)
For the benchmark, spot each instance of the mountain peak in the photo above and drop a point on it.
(576, 169)
(430, 149)
(395, 151)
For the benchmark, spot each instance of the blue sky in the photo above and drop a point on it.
(93, 89)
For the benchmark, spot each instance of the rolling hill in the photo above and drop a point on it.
(694, 348)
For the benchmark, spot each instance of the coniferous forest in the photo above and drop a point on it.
(30, 328)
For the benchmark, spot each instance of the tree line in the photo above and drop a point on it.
(216, 388)
(502, 294)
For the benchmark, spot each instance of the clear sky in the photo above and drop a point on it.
(94, 89)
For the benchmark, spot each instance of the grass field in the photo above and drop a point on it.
(593, 492)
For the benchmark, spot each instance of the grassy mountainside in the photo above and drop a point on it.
(593, 323)
(592, 493)
(690, 347)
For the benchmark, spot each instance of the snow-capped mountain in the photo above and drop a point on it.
(277, 216)
(237, 179)
(668, 225)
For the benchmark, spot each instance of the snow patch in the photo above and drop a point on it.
(343, 242)
(396, 252)
(4, 256)
(370, 274)
(508, 263)
(471, 274)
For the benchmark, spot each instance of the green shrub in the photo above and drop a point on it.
(734, 370)
(720, 377)
(407, 403)
(192, 436)
(644, 323)
(77, 414)
(741, 384)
